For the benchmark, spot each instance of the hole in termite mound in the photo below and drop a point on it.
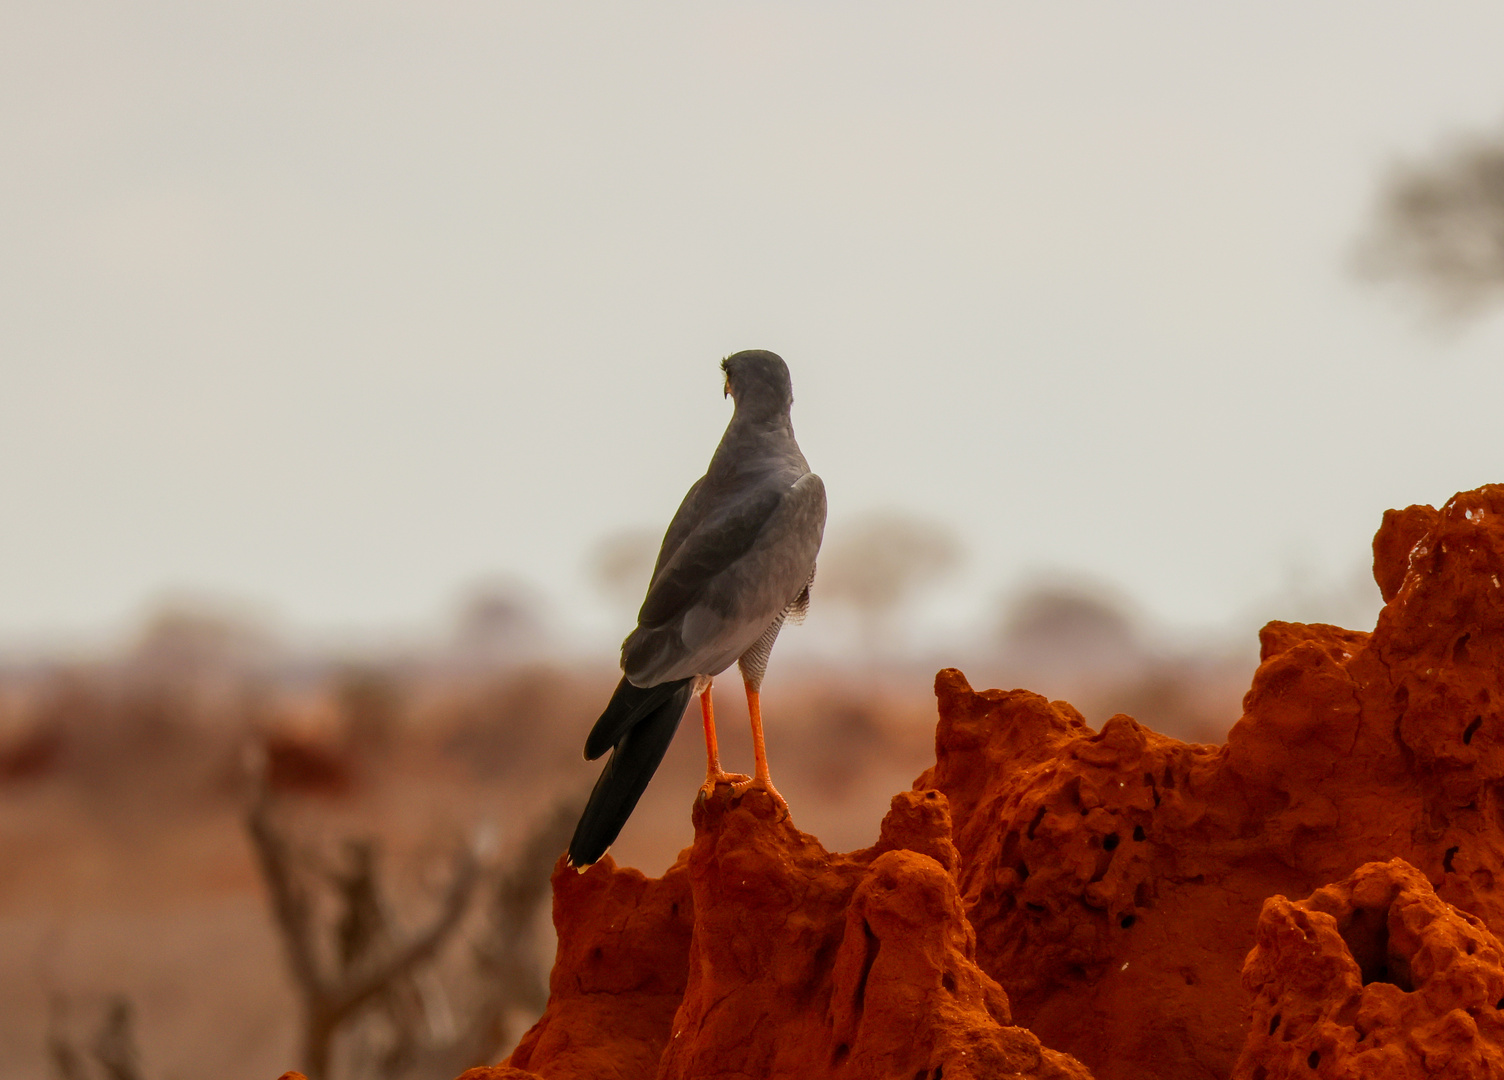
(1366, 933)
(1038, 817)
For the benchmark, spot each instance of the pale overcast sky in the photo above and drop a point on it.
(335, 307)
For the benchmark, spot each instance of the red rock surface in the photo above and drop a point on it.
(1114, 878)
(1110, 882)
(618, 976)
(1373, 977)
(808, 964)
(803, 963)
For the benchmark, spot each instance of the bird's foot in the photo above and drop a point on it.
(720, 776)
(762, 783)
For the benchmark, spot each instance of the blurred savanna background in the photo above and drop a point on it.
(354, 357)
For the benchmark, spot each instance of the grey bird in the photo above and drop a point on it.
(737, 561)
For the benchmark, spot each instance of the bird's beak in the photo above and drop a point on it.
(727, 389)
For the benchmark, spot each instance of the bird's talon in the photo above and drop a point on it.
(744, 786)
(715, 780)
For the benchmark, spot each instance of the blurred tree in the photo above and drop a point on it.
(189, 635)
(1071, 616)
(878, 562)
(1070, 626)
(195, 664)
(621, 565)
(1440, 227)
(500, 623)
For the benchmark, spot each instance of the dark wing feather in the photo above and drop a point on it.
(626, 776)
(628, 705)
(685, 519)
(708, 617)
(711, 546)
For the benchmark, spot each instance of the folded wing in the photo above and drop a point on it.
(736, 570)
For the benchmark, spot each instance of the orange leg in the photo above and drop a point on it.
(760, 777)
(714, 774)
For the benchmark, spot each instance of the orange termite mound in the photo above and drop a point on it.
(1102, 890)
(1373, 977)
(762, 954)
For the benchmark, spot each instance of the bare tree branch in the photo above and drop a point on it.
(113, 1048)
(290, 906)
(115, 1045)
(372, 991)
(362, 986)
(331, 1000)
(67, 1062)
(513, 977)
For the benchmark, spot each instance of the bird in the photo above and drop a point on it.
(736, 563)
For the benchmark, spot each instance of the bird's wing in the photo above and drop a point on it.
(733, 573)
(685, 519)
(713, 544)
(628, 707)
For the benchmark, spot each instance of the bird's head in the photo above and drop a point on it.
(759, 383)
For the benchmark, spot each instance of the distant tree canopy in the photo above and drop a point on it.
(191, 633)
(499, 621)
(622, 563)
(878, 562)
(1068, 617)
(1439, 227)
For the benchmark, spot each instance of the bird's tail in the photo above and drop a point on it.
(654, 712)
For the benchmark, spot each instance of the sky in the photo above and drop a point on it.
(334, 308)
